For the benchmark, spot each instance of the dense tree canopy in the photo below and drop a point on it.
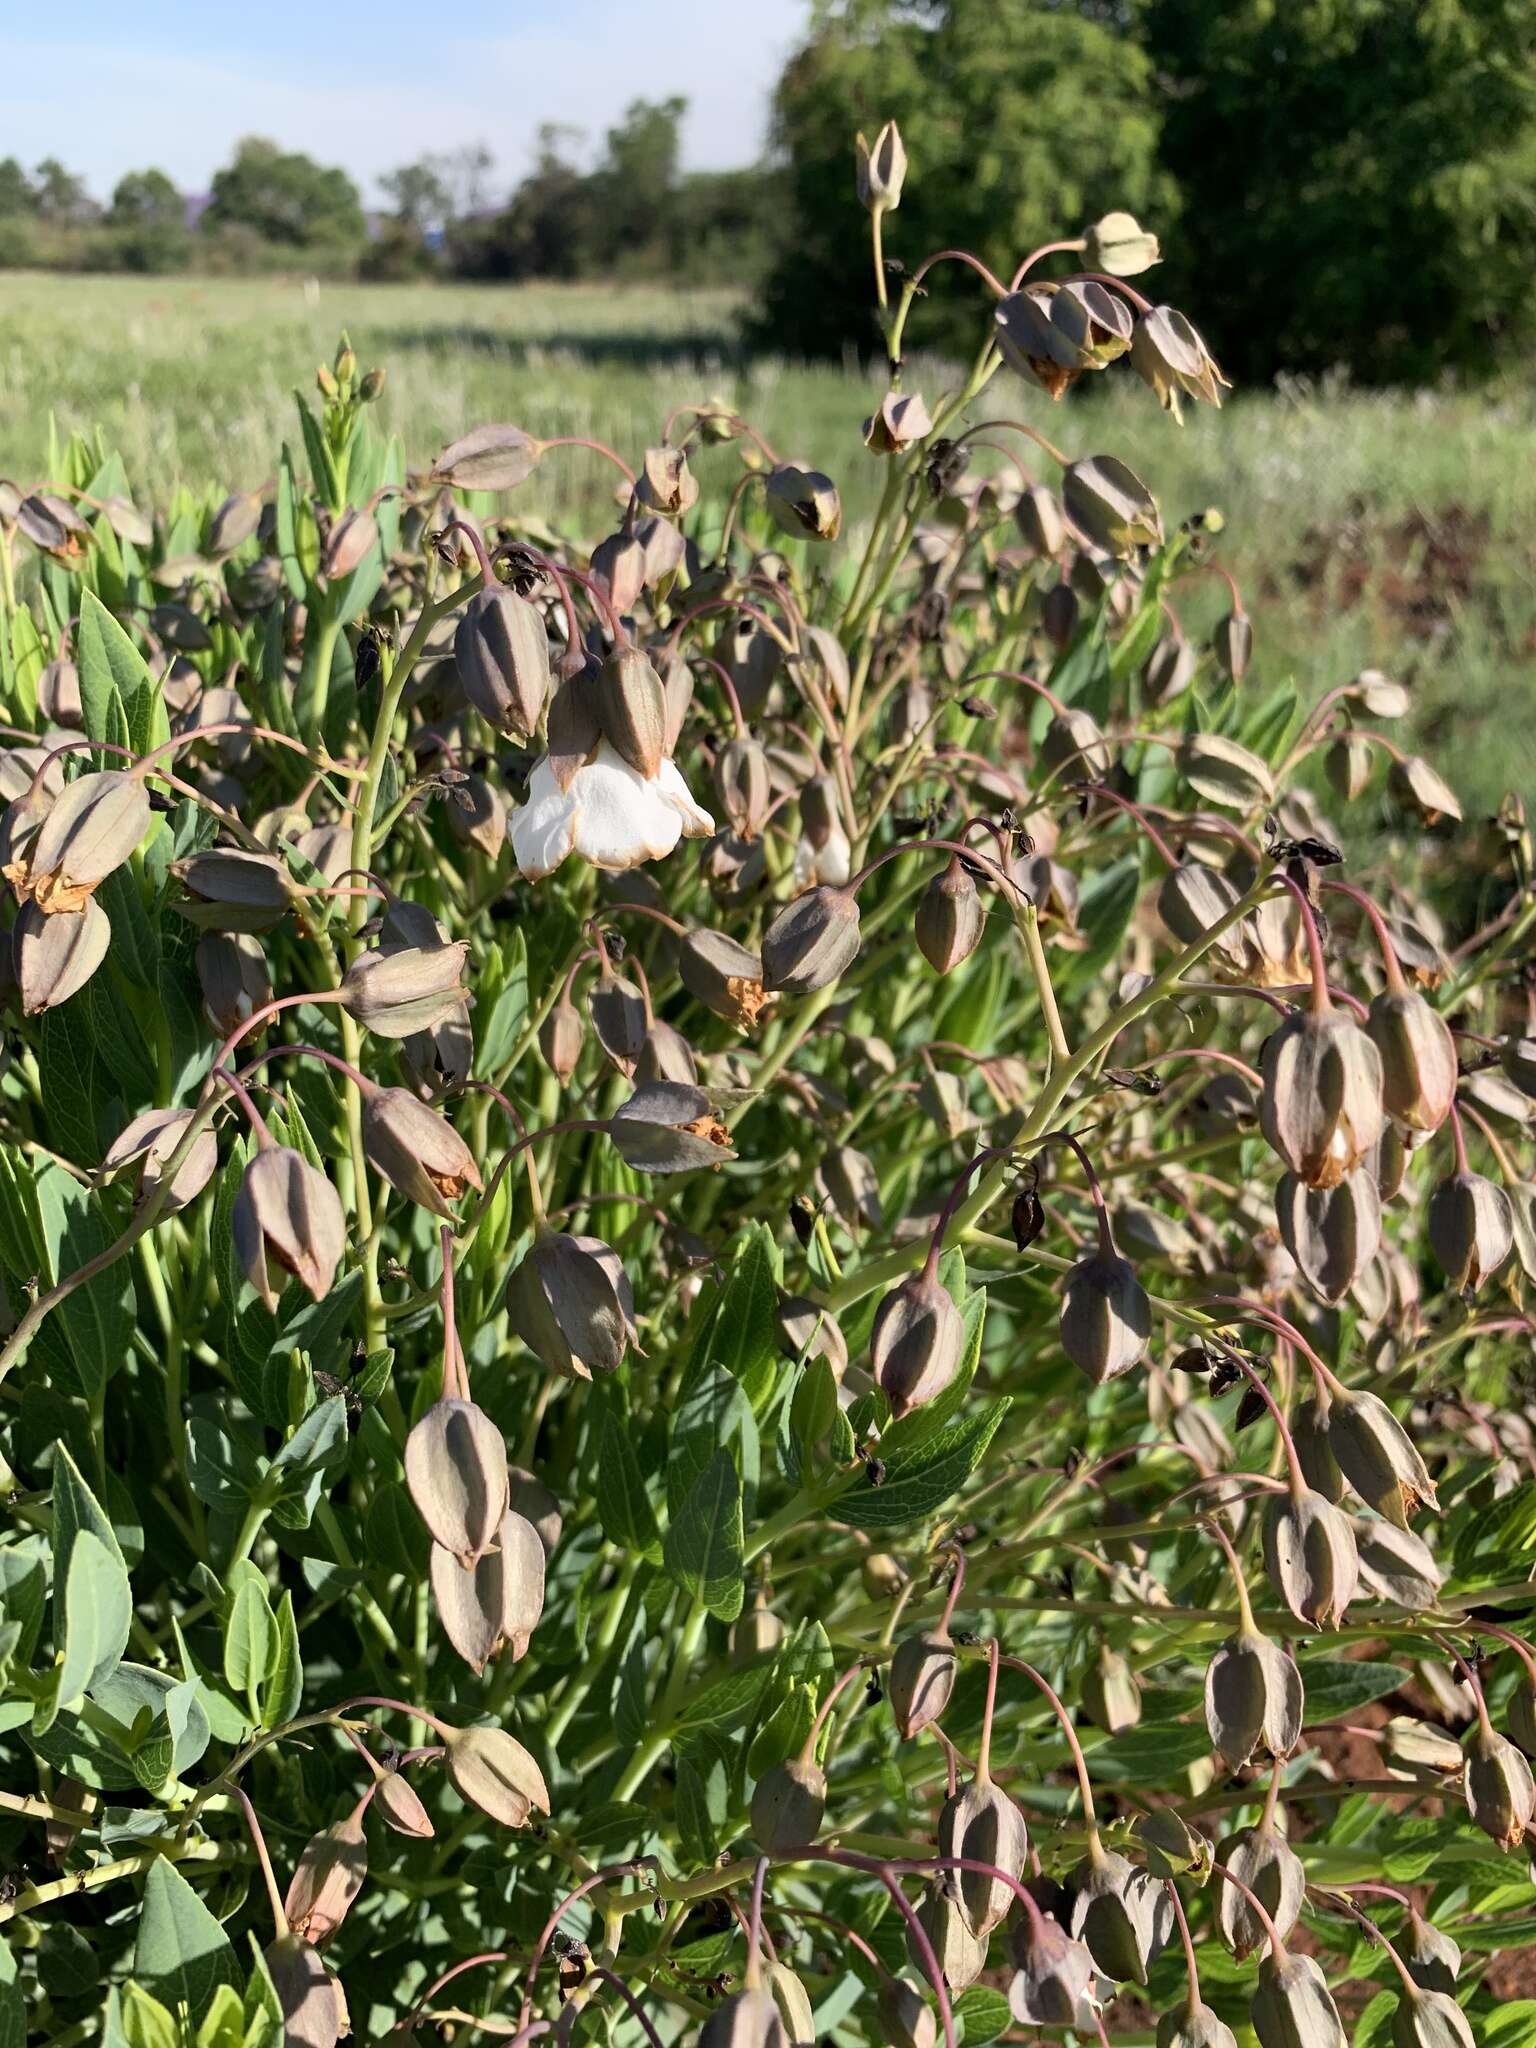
(285, 197)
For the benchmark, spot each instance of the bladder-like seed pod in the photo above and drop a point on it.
(494, 1603)
(398, 992)
(1052, 1974)
(151, 1139)
(981, 1823)
(1253, 1699)
(725, 976)
(493, 1771)
(569, 1300)
(920, 1680)
(55, 955)
(1106, 1318)
(90, 830)
(631, 706)
(230, 890)
(1431, 2019)
(961, 1955)
(1273, 1872)
(1471, 1228)
(1332, 1233)
(1500, 1794)
(1310, 1556)
(327, 1878)
(1293, 2007)
(456, 1469)
(1397, 1565)
(1418, 1058)
(1377, 1456)
(286, 1213)
(417, 1150)
(1121, 1913)
(1111, 1693)
(788, 1802)
(313, 2003)
(1321, 1108)
(668, 1127)
(950, 917)
(811, 942)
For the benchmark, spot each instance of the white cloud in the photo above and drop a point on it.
(107, 110)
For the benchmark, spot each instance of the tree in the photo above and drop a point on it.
(634, 187)
(16, 194)
(59, 195)
(1019, 117)
(1360, 177)
(146, 199)
(285, 197)
(547, 227)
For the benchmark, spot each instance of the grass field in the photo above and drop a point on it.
(1395, 529)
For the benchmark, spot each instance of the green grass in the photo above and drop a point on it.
(1387, 529)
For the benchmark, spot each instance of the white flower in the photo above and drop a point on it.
(611, 815)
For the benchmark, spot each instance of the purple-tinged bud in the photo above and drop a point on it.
(400, 1808)
(493, 458)
(1310, 1556)
(1225, 773)
(496, 1602)
(93, 827)
(1232, 644)
(668, 1127)
(961, 1956)
(1271, 1869)
(417, 1150)
(287, 1213)
(1253, 1699)
(152, 1138)
(666, 483)
(477, 815)
(916, 1342)
(848, 1178)
(1433, 1959)
(1500, 1793)
(314, 2005)
(54, 956)
(233, 976)
(920, 1680)
(1397, 1565)
(1378, 1457)
(1110, 506)
(1106, 1317)
(905, 2014)
(1332, 1233)
(493, 1771)
(352, 540)
(456, 1470)
(1293, 2007)
(981, 1824)
(1042, 524)
(560, 1039)
(1321, 1108)
(1110, 1692)
(803, 502)
(1192, 898)
(747, 2019)
(1170, 356)
(620, 1018)
(1074, 746)
(667, 1056)
(1471, 1228)
(529, 1497)
(902, 419)
(743, 785)
(950, 917)
(570, 1302)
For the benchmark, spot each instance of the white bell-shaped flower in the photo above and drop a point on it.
(610, 814)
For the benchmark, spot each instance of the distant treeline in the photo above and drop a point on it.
(1335, 182)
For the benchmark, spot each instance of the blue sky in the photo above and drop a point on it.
(174, 82)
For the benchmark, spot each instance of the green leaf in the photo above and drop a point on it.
(98, 1609)
(96, 1321)
(1512, 2026)
(1337, 1685)
(250, 1643)
(983, 2013)
(1146, 1754)
(920, 1479)
(704, 1546)
(623, 1505)
(119, 698)
(714, 1413)
(284, 1689)
(183, 1954)
(738, 1328)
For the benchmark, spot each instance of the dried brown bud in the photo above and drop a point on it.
(668, 1127)
(725, 977)
(1378, 1457)
(916, 1342)
(501, 651)
(456, 1469)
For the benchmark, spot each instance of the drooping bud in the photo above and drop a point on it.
(901, 419)
(981, 1823)
(501, 651)
(55, 956)
(233, 976)
(620, 1017)
(92, 828)
(1418, 1059)
(1271, 1869)
(916, 1342)
(287, 1213)
(1332, 1233)
(668, 1127)
(327, 1879)
(803, 502)
(1293, 2007)
(666, 1056)
(314, 2005)
(1172, 1847)
(1321, 1108)
(1110, 1692)
(417, 1150)
(1378, 1457)
(747, 2019)
(1120, 245)
(569, 1300)
(1052, 1976)
(560, 1039)
(493, 1771)
(1110, 506)
(491, 458)
(1041, 521)
(788, 1802)
(631, 707)
(881, 169)
(1431, 2019)
(496, 1602)
(1123, 1915)
(1420, 1752)
(1170, 356)
(400, 991)
(400, 1807)
(1106, 1317)
(950, 917)
(920, 1680)
(1310, 1556)
(724, 976)
(1420, 789)
(1225, 773)
(743, 784)
(1349, 764)
(811, 942)
(1074, 745)
(1433, 1959)
(1232, 644)
(1500, 1793)
(1471, 1228)
(1253, 1699)
(1192, 898)
(1397, 1565)
(961, 1956)
(456, 1469)
(152, 1138)
(229, 890)
(1194, 2026)
(905, 2014)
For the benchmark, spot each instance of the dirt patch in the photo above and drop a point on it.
(1419, 570)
